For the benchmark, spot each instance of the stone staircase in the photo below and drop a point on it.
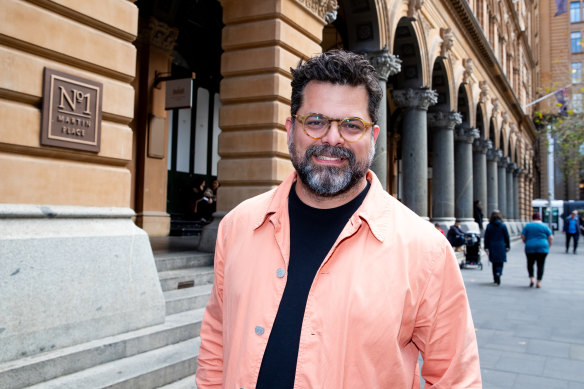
(159, 356)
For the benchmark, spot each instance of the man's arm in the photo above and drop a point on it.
(210, 359)
(444, 331)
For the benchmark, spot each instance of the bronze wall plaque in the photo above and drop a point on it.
(71, 115)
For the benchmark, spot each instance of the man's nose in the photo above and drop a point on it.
(333, 136)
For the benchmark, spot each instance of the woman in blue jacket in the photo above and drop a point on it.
(497, 244)
(538, 239)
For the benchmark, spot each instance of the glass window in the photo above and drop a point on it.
(576, 72)
(575, 11)
(577, 102)
(576, 38)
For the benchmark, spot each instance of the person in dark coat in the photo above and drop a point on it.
(497, 244)
(456, 236)
(477, 214)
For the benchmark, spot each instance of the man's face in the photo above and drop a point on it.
(330, 165)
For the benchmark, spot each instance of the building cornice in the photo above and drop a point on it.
(463, 16)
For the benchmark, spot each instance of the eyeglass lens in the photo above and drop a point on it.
(350, 128)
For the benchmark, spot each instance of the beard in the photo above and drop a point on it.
(328, 181)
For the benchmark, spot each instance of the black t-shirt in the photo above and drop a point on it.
(313, 232)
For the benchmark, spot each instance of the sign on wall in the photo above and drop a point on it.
(179, 93)
(71, 115)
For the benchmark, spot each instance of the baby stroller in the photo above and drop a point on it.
(472, 251)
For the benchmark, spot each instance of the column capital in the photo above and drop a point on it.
(466, 135)
(511, 167)
(414, 98)
(494, 155)
(518, 172)
(158, 34)
(325, 9)
(444, 120)
(481, 145)
(503, 161)
(385, 64)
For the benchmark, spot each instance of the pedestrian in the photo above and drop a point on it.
(572, 228)
(477, 213)
(456, 236)
(497, 244)
(327, 281)
(538, 240)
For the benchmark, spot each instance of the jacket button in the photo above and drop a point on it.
(280, 272)
(259, 330)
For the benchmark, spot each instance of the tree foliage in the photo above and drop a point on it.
(568, 134)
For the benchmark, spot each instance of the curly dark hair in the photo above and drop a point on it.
(337, 67)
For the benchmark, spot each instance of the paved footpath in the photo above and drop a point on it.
(530, 338)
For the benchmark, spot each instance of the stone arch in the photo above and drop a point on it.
(357, 25)
(464, 105)
(481, 114)
(493, 133)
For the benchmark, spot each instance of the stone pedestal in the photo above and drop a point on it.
(72, 275)
(386, 65)
(209, 233)
(442, 125)
(502, 163)
(463, 175)
(415, 146)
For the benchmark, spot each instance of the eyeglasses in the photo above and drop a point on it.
(317, 125)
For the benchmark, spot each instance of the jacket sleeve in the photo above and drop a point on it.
(210, 360)
(444, 331)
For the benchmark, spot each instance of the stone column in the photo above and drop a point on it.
(442, 125)
(492, 181)
(502, 163)
(463, 177)
(516, 198)
(510, 191)
(479, 170)
(386, 65)
(415, 103)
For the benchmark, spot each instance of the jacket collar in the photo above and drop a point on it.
(375, 210)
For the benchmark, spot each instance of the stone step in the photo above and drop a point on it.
(173, 279)
(32, 370)
(185, 383)
(181, 300)
(182, 260)
(147, 370)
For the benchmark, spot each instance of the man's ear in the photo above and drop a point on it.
(375, 132)
(289, 128)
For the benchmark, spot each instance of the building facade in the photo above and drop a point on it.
(456, 75)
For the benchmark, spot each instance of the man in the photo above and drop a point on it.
(455, 236)
(572, 230)
(327, 281)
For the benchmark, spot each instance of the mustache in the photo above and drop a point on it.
(333, 151)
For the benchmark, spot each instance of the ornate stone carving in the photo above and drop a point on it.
(484, 96)
(502, 161)
(414, 7)
(518, 171)
(444, 120)
(385, 64)
(482, 145)
(326, 9)
(447, 41)
(496, 107)
(468, 70)
(511, 166)
(158, 34)
(505, 120)
(414, 98)
(467, 135)
(512, 128)
(493, 154)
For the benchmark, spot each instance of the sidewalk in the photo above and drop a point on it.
(530, 338)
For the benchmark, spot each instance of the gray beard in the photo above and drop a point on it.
(328, 181)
